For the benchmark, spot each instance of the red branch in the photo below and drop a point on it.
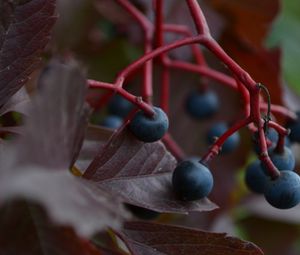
(240, 81)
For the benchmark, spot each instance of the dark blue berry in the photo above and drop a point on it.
(283, 192)
(142, 213)
(119, 106)
(284, 160)
(192, 180)
(294, 126)
(202, 105)
(255, 177)
(112, 121)
(217, 130)
(149, 129)
(272, 136)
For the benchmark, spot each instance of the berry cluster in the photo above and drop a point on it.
(272, 174)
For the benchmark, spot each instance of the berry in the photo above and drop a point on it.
(142, 213)
(149, 129)
(112, 121)
(283, 192)
(192, 180)
(283, 161)
(202, 105)
(119, 106)
(255, 177)
(272, 136)
(217, 130)
(294, 126)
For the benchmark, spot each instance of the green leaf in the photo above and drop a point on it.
(286, 34)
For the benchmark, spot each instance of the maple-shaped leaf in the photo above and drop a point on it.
(25, 28)
(36, 166)
(140, 173)
(158, 239)
(25, 229)
(58, 116)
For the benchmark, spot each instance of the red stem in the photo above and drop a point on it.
(173, 147)
(147, 29)
(198, 16)
(133, 99)
(215, 148)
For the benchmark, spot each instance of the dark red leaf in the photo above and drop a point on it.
(25, 28)
(25, 229)
(140, 173)
(248, 19)
(157, 239)
(58, 117)
(36, 166)
(19, 102)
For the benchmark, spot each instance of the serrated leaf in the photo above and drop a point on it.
(36, 166)
(141, 174)
(25, 229)
(58, 116)
(25, 28)
(157, 239)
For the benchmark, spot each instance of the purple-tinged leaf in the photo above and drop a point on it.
(25, 28)
(19, 102)
(141, 174)
(68, 200)
(25, 229)
(95, 139)
(58, 116)
(157, 239)
(36, 166)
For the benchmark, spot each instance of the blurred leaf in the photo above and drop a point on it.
(274, 237)
(152, 238)
(25, 28)
(141, 174)
(36, 166)
(58, 117)
(19, 102)
(248, 25)
(25, 229)
(286, 35)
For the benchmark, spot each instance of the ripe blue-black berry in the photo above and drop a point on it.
(284, 160)
(272, 136)
(255, 177)
(112, 121)
(142, 213)
(294, 126)
(119, 106)
(217, 130)
(149, 129)
(192, 180)
(202, 105)
(283, 192)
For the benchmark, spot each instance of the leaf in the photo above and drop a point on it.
(248, 25)
(248, 19)
(25, 28)
(25, 229)
(152, 238)
(95, 139)
(140, 173)
(36, 166)
(285, 34)
(68, 200)
(19, 102)
(58, 117)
